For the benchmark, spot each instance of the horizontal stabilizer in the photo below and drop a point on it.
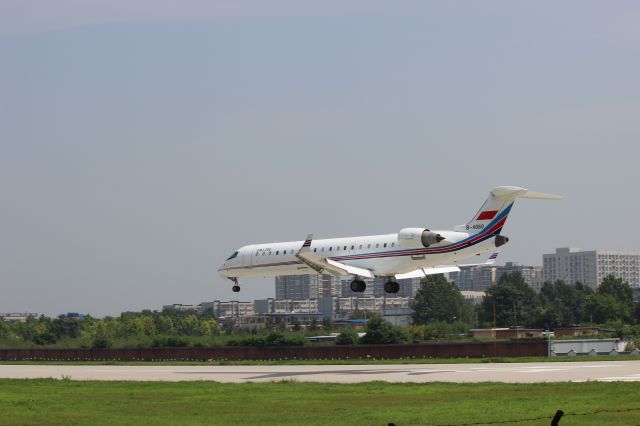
(490, 261)
(541, 196)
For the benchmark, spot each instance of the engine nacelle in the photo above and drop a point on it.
(416, 237)
(422, 237)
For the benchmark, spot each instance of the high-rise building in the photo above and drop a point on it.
(591, 267)
(475, 278)
(532, 275)
(299, 287)
(479, 278)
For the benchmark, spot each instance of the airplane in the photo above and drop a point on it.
(410, 253)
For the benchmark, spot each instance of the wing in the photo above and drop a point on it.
(323, 264)
(423, 272)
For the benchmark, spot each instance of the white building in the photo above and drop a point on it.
(591, 267)
(299, 287)
(473, 297)
(17, 316)
(228, 309)
(480, 278)
(181, 307)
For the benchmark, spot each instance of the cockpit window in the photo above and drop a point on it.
(232, 256)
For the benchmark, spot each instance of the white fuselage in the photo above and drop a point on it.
(407, 253)
(384, 255)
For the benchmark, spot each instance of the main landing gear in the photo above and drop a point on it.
(391, 287)
(236, 287)
(358, 286)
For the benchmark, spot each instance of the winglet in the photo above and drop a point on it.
(492, 258)
(306, 246)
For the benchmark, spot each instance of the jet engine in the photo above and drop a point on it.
(415, 237)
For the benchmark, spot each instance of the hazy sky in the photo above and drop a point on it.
(141, 142)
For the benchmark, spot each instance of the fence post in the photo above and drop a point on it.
(556, 419)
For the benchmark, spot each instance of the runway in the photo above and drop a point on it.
(401, 373)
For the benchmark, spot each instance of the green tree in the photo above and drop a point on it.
(63, 327)
(621, 292)
(613, 301)
(515, 302)
(165, 324)
(347, 336)
(295, 325)
(439, 300)
(209, 327)
(4, 330)
(313, 325)
(148, 325)
(358, 314)
(603, 308)
(190, 326)
(563, 304)
(326, 323)
(101, 336)
(379, 331)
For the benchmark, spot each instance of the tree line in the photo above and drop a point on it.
(439, 312)
(511, 302)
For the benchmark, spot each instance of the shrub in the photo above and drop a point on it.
(380, 331)
(347, 336)
(100, 342)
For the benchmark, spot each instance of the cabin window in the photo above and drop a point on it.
(330, 248)
(345, 247)
(368, 245)
(322, 249)
(352, 247)
(277, 252)
(263, 253)
(269, 253)
(385, 244)
(284, 252)
(315, 249)
(360, 246)
(338, 248)
(377, 245)
(393, 244)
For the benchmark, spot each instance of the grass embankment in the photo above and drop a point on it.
(57, 402)
(367, 361)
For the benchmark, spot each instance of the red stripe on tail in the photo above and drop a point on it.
(487, 215)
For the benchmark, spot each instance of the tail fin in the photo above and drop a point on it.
(496, 208)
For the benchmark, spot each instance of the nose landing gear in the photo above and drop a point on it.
(236, 287)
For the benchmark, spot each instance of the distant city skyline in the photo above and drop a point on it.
(142, 142)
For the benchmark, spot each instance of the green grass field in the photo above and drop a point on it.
(64, 402)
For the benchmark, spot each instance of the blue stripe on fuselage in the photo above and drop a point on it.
(484, 235)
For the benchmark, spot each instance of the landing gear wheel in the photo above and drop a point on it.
(235, 288)
(391, 287)
(358, 286)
